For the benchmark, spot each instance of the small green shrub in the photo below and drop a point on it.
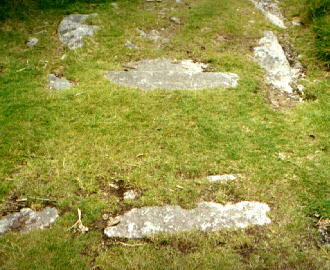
(322, 31)
(19, 8)
(317, 13)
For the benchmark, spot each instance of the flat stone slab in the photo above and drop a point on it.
(207, 217)
(271, 57)
(171, 75)
(27, 220)
(57, 83)
(271, 10)
(223, 178)
(72, 30)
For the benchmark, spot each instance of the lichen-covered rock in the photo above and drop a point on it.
(57, 83)
(271, 57)
(207, 217)
(171, 75)
(72, 30)
(271, 10)
(27, 220)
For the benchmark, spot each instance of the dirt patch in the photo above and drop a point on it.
(245, 251)
(116, 188)
(280, 100)
(323, 227)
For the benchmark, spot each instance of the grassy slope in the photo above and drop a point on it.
(70, 145)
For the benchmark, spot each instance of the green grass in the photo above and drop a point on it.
(69, 145)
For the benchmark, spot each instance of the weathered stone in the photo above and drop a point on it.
(271, 10)
(271, 57)
(207, 217)
(171, 75)
(72, 30)
(130, 195)
(57, 83)
(296, 22)
(31, 42)
(27, 220)
(131, 45)
(153, 35)
(175, 20)
(223, 178)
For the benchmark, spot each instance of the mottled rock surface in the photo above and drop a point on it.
(130, 195)
(57, 83)
(207, 217)
(271, 10)
(223, 178)
(271, 57)
(72, 30)
(27, 220)
(171, 75)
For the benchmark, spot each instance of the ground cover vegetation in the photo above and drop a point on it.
(68, 146)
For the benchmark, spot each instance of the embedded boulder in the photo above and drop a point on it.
(28, 220)
(171, 75)
(72, 30)
(272, 58)
(207, 217)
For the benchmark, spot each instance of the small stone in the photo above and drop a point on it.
(32, 41)
(28, 220)
(114, 186)
(57, 83)
(131, 45)
(105, 216)
(296, 22)
(63, 57)
(114, 5)
(206, 217)
(175, 20)
(130, 195)
(281, 156)
(223, 178)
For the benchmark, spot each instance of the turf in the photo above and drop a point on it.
(68, 146)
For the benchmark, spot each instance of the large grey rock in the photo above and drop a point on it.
(171, 75)
(57, 83)
(72, 30)
(207, 217)
(271, 10)
(271, 57)
(27, 220)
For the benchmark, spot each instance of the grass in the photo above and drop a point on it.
(69, 145)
